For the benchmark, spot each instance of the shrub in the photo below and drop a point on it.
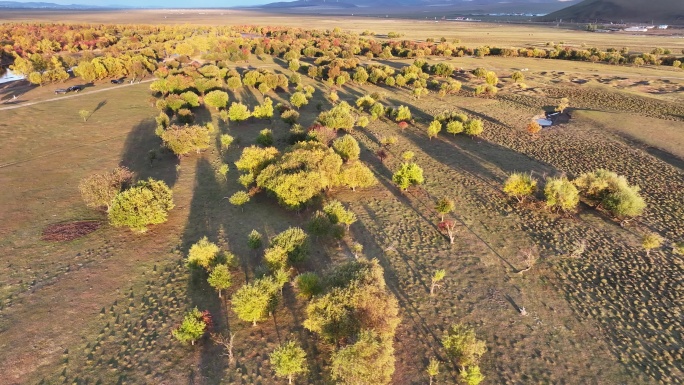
(290, 116)
(491, 78)
(561, 194)
(520, 186)
(254, 240)
(265, 137)
(319, 224)
(362, 122)
(444, 206)
(518, 77)
(185, 116)
(99, 190)
(365, 101)
(533, 127)
(612, 191)
(146, 203)
(347, 147)
(322, 134)
(461, 344)
(377, 110)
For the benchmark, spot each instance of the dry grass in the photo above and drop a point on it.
(101, 308)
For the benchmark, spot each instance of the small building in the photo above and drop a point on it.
(663, 26)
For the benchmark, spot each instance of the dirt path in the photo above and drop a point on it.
(71, 96)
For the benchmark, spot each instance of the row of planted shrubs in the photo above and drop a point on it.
(601, 188)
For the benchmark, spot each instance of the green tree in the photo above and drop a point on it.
(520, 186)
(347, 147)
(444, 206)
(437, 277)
(471, 375)
(612, 192)
(254, 302)
(226, 141)
(254, 240)
(319, 224)
(561, 194)
(402, 114)
(238, 112)
(462, 345)
(220, 278)
(454, 127)
(233, 83)
(377, 111)
(432, 369)
(192, 328)
(254, 159)
(357, 175)
(370, 360)
(203, 254)
(298, 99)
(288, 360)
(339, 214)
(264, 110)
(473, 127)
(265, 137)
(217, 99)
(146, 203)
(84, 114)
(99, 190)
(360, 75)
(409, 174)
(183, 139)
(308, 284)
(651, 241)
(339, 117)
(294, 241)
(434, 128)
(239, 199)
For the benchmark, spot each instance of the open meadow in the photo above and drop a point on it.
(557, 297)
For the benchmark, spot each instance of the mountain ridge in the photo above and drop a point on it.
(646, 11)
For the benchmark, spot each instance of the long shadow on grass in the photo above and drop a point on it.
(140, 143)
(204, 220)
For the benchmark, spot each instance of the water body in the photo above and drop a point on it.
(10, 76)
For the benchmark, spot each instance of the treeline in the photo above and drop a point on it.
(36, 44)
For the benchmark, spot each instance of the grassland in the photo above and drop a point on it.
(100, 309)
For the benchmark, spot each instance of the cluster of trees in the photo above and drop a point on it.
(305, 169)
(455, 123)
(601, 188)
(135, 206)
(352, 310)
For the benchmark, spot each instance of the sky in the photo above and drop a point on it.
(160, 3)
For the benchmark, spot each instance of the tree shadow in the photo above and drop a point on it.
(143, 156)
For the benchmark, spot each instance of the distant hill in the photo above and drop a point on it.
(42, 5)
(414, 6)
(645, 11)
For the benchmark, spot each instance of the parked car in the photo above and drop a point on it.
(75, 88)
(117, 81)
(61, 91)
